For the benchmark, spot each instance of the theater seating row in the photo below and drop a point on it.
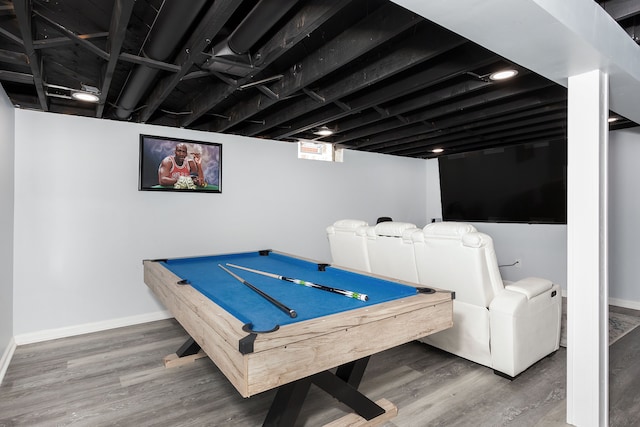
(507, 326)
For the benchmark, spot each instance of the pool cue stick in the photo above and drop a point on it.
(269, 298)
(349, 294)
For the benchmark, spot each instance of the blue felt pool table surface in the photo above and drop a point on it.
(204, 274)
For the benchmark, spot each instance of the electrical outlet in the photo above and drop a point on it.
(518, 263)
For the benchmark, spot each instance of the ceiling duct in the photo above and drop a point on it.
(231, 56)
(173, 21)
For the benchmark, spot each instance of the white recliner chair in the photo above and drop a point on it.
(348, 244)
(390, 250)
(505, 326)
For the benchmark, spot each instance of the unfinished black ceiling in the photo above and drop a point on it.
(382, 78)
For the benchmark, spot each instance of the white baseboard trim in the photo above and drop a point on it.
(635, 305)
(6, 358)
(52, 334)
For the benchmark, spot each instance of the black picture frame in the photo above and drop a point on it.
(155, 149)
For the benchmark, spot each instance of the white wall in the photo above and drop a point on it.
(434, 203)
(82, 228)
(541, 249)
(624, 216)
(6, 229)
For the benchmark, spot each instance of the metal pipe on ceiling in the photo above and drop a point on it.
(173, 21)
(230, 55)
(261, 19)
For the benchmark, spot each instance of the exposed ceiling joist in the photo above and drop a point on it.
(382, 25)
(191, 53)
(382, 78)
(409, 54)
(308, 19)
(23, 12)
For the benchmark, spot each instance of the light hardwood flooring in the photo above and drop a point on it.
(116, 378)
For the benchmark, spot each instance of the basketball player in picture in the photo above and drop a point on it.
(178, 165)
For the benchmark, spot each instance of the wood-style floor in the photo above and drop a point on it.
(117, 378)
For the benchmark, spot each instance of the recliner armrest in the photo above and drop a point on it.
(530, 286)
(525, 324)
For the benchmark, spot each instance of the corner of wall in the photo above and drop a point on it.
(6, 358)
(7, 177)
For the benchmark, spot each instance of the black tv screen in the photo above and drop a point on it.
(523, 184)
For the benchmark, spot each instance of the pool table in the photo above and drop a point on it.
(259, 346)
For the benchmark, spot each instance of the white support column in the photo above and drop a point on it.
(587, 264)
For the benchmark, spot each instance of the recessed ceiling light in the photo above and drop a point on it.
(503, 74)
(85, 96)
(437, 150)
(613, 119)
(323, 131)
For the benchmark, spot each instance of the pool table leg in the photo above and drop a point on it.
(287, 404)
(343, 385)
(188, 348)
(352, 372)
(188, 352)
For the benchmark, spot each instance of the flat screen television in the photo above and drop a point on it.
(521, 184)
(169, 164)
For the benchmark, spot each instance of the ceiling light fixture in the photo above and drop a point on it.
(437, 150)
(87, 94)
(323, 131)
(503, 74)
(613, 119)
